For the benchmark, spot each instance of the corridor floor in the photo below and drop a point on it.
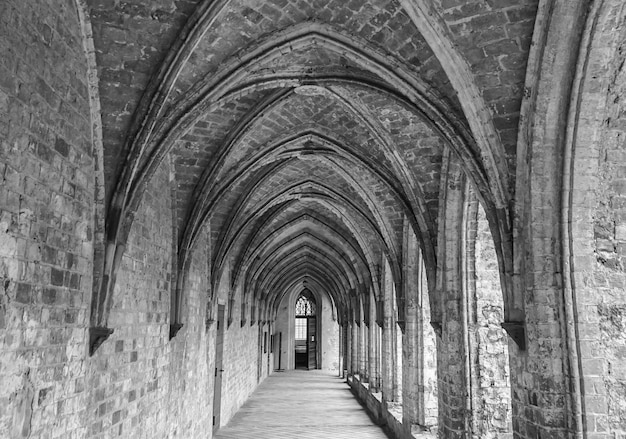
(302, 404)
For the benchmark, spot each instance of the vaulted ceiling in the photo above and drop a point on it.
(306, 134)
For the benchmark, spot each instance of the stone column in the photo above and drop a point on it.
(355, 348)
(363, 352)
(387, 340)
(374, 375)
(454, 416)
(397, 337)
(359, 351)
(413, 336)
(341, 365)
(349, 348)
(410, 383)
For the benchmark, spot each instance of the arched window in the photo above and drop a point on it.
(304, 307)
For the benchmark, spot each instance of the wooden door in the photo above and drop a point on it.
(219, 350)
(312, 342)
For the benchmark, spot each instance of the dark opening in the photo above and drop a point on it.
(305, 328)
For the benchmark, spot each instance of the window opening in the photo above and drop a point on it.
(304, 307)
(300, 328)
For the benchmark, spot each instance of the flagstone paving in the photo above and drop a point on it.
(302, 404)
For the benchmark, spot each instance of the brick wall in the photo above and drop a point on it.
(429, 358)
(240, 376)
(329, 338)
(142, 384)
(139, 384)
(46, 203)
(597, 232)
(129, 375)
(610, 248)
(490, 361)
(242, 353)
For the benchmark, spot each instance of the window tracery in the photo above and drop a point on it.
(304, 307)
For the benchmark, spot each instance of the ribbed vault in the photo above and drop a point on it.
(301, 137)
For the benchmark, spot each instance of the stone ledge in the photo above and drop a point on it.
(388, 417)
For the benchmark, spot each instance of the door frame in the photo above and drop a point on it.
(311, 338)
(291, 339)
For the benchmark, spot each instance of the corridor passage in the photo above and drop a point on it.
(302, 404)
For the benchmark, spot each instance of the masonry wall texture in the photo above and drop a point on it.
(597, 235)
(489, 341)
(46, 223)
(139, 384)
(610, 243)
(428, 357)
(447, 177)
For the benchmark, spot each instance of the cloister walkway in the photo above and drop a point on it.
(302, 404)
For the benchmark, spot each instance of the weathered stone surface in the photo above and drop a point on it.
(46, 198)
(170, 158)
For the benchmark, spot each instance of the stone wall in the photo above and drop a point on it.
(609, 274)
(129, 376)
(329, 337)
(596, 227)
(428, 353)
(490, 356)
(243, 349)
(46, 223)
(241, 356)
(139, 383)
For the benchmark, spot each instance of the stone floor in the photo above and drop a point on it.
(302, 404)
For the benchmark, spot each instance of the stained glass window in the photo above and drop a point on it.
(304, 307)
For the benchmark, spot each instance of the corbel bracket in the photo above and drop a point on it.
(437, 327)
(517, 331)
(97, 336)
(174, 328)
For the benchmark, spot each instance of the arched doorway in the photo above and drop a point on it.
(306, 332)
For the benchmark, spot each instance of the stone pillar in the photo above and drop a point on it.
(355, 348)
(363, 352)
(413, 336)
(397, 353)
(349, 348)
(341, 353)
(387, 339)
(387, 362)
(359, 345)
(410, 382)
(379, 350)
(374, 374)
(453, 412)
